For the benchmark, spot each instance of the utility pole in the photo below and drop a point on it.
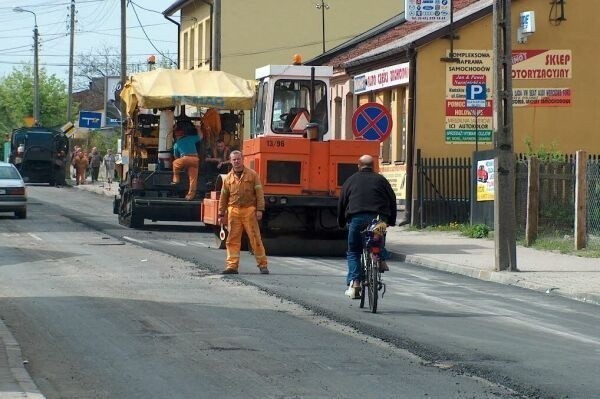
(36, 75)
(123, 63)
(71, 50)
(504, 203)
(323, 6)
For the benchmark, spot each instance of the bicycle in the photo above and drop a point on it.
(373, 243)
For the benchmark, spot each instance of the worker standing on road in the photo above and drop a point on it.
(365, 195)
(186, 153)
(243, 201)
(81, 164)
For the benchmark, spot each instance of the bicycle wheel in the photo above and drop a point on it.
(363, 286)
(372, 281)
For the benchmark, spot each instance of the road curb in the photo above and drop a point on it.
(506, 278)
(16, 367)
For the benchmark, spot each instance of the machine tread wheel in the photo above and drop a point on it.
(127, 214)
(21, 214)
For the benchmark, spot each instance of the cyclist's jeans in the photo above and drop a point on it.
(358, 222)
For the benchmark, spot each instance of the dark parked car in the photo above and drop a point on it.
(13, 196)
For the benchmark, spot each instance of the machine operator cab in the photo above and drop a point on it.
(289, 97)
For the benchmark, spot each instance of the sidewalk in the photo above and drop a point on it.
(545, 271)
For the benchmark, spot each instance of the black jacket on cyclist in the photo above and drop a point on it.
(367, 191)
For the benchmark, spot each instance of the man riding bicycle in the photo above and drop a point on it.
(365, 195)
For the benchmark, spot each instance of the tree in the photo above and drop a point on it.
(16, 99)
(106, 61)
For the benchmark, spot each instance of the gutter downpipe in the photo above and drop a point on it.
(178, 37)
(216, 35)
(409, 216)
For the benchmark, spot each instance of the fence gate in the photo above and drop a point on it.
(443, 190)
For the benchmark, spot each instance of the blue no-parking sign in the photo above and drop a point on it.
(371, 121)
(476, 95)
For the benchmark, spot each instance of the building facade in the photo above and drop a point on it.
(553, 78)
(240, 36)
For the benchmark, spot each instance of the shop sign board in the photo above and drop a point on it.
(428, 10)
(542, 97)
(468, 87)
(394, 75)
(542, 64)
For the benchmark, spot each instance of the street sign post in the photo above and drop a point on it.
(372, 121)
(90, 120)
(476, 95)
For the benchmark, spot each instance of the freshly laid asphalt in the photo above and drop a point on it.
(549, 272)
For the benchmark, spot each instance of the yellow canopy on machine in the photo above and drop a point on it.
(164, 88)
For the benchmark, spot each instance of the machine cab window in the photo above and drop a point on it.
(292, 106)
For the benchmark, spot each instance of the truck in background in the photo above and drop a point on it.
(40, 153)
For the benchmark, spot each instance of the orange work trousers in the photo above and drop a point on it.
(238, 220)
(191, 165)
(80, 175)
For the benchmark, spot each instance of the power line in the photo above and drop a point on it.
(133, 6)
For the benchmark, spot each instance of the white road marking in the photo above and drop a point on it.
(175, 243)
(199, 244)
(133, 240)
(36, 237)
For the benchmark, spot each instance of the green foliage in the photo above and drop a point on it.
(544, 154)
(477, 231)
(556, 214)
(472, 231)
(16, 99)
(103, 141)
(563, 243)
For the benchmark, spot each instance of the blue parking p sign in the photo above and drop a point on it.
(476, 95)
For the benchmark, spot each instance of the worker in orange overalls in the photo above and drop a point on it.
(243, 201)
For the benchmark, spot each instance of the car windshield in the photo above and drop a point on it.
(9, 172)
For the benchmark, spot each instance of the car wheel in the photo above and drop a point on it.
(21, 213)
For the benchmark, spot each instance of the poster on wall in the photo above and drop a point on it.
(485, 180)
(542, 97)
(396, 175)
(464, 125)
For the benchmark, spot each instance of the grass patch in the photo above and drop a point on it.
(472, 231)
(565, 245)
(557, 241)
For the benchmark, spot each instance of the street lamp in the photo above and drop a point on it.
(36, 87)
(323, 6)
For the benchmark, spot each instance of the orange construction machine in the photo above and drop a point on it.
(302, 169)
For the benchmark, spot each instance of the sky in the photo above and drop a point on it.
(97, 27)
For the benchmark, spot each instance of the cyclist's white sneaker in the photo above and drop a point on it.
(353, 292)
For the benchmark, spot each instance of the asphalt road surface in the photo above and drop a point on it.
(101, 311)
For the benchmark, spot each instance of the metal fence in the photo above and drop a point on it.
(443, 190)
(593, 196)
